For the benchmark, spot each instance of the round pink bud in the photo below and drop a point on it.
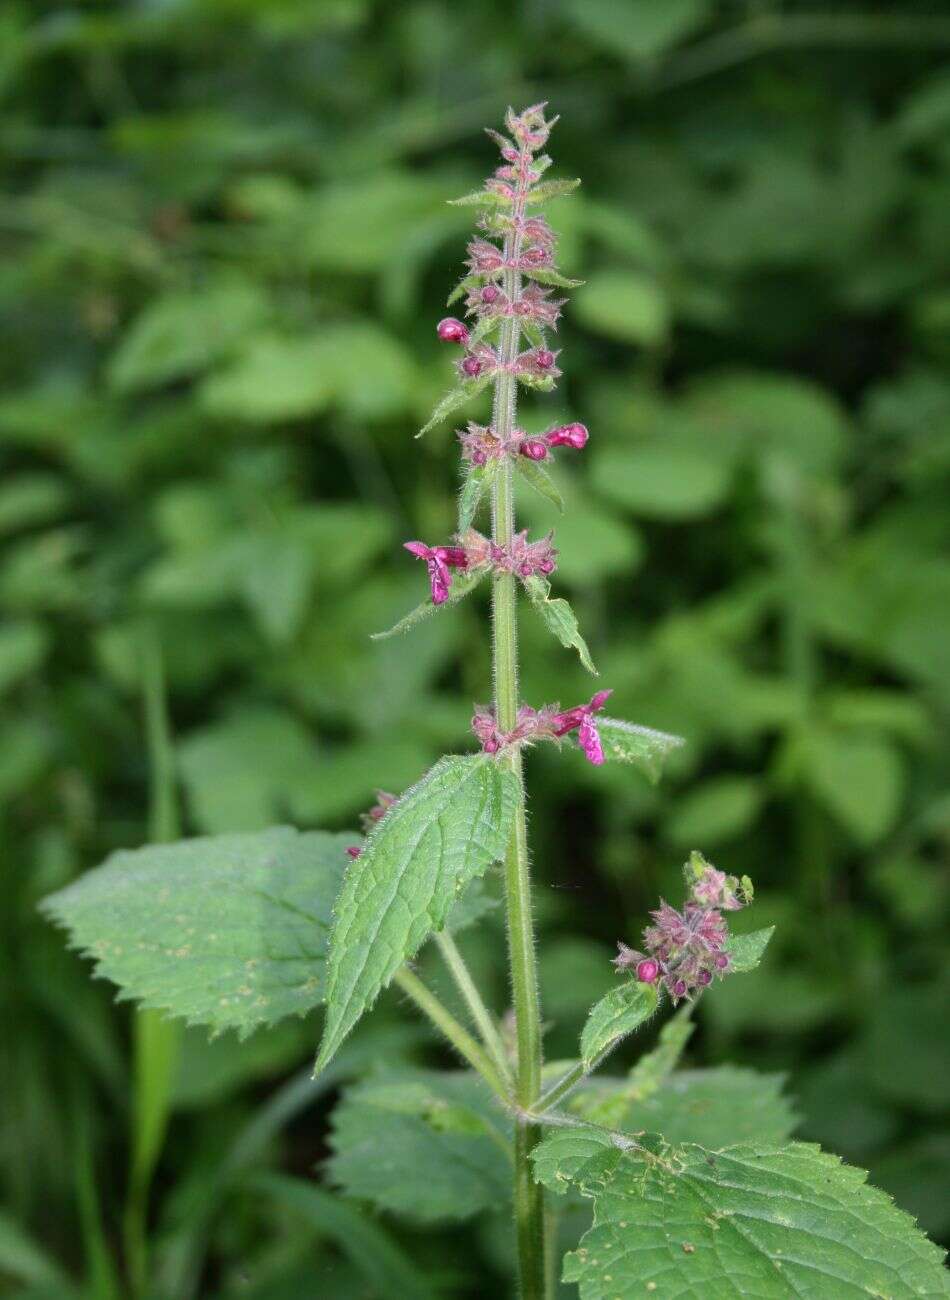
(472, 367)
(490, 293)
(679, 989)
(509, 154)
(544, 359)
(534, 449)
(722, 961)
(547, 566)
(704, 977)
(525, 570)
(451, 330)
(478, 457)
(491, 746)
(647, 971)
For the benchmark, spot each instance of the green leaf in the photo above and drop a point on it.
(452, 400)
(559, 618)
(607, 1102)
(443, 832)
(425, 1145)
(181, 334)
(617, 1014)
(481, 199)
(229, 932)
(715, 1108)
(540, 480)
(626, 742)
(661, 481)
(624, 305)
(859, 779)
(715, 810)
(463, 287)
(23, 647)
(747, 950)
(463, 584)
(387, 1268)
(756, 1219)
(477, 480)
(547, 275)
(551, 190)
(642, 30)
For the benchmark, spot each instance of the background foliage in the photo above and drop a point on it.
(226, 248)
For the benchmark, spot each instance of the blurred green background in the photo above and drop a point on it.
(226, 248)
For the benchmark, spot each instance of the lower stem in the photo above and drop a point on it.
(528, 1195)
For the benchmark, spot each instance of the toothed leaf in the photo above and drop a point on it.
(626, 742)
(617, 1014)
(481, 199)
(443, 833)
(716, 1108)
(228, 931)
(548, 275)
(747, 950)
(452, 400)
(757, 1219)
(540, 480)
(477, 480)
(551, 190)
(425, 1145)
(560, 619)
(463, 584)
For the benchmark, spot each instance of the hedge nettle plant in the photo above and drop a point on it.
(695, 1186)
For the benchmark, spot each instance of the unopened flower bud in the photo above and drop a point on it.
(535, 256)
(451, 330)
(472, 366)
(490, 293)
(721, 961)
(647, 971)
(704, 977)
(544, 359)
(533, 449)
(679, 989)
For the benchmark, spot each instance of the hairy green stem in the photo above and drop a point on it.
(528, 1195)
(484, 1021)
(457, 1034)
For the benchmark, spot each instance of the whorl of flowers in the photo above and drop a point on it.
(686, 950)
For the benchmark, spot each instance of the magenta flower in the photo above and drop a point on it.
(440, 561)
(581, 719)
(568, 435)
(687, 949)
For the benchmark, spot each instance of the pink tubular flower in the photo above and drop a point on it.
(687, 949)
(451, 330)
(568, 435)
(565, 435)
(581, 719)
(440, 560)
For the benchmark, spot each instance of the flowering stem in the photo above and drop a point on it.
(528, 1196)
(473, 1000)
(457, 1034)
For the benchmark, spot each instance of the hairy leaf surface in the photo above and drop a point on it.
(715, 1108)
(757, 1220)
(617, 1014)
(228, 931)
(627, 742)
(425, 1145)
(560, 619)
(444, 832)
